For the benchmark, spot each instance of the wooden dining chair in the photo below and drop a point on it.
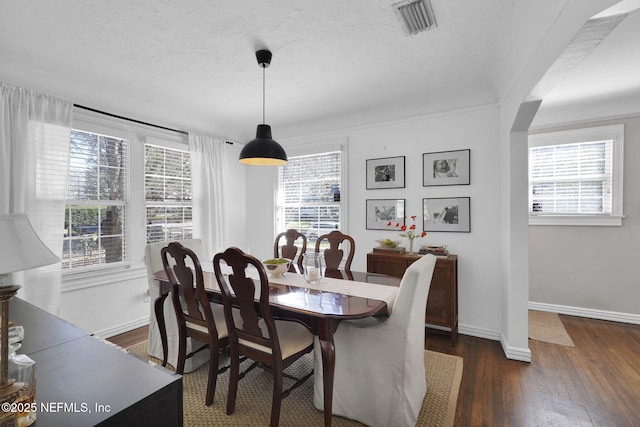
(334, 255)
(162, 343)
(379, 376)
(275, 344)
(289, 249)
(197, 318)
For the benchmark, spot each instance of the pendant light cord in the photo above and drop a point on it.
(263, 120)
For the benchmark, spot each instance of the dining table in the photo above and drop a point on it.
(340, 295)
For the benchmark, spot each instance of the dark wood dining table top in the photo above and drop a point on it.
(311, 301)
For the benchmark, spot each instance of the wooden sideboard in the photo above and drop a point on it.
(81, 381)
(442, 303)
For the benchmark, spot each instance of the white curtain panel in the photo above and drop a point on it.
(35, 130)
(207, 180)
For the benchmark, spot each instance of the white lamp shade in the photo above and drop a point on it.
(20, 247)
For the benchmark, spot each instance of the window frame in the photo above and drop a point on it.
(584, 135)
(318, 148)
(71, 203)
(136, 134)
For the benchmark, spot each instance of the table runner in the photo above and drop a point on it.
(341, 286)
(326, 284)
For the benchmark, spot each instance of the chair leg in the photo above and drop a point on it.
(182, 350)
(234, 374)
(277, 396)
(213, 372)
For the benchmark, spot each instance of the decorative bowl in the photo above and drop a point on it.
(388, 243)
(276, 266)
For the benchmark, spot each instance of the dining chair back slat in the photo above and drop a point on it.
(289, 249)
(334, 255)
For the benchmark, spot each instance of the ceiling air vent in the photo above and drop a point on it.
(415, 15)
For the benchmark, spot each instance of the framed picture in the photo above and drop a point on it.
(447, 214)
(446, 168)
(385, 173)
(382, 211)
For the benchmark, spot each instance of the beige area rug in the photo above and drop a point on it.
(253, 404)
(546, 326)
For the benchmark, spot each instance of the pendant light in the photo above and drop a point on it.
(263, 150)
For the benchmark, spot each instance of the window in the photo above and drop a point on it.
(96, 209)
(575, 177)
(309, 194)
(167, 178)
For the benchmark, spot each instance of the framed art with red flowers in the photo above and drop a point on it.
(381, 212)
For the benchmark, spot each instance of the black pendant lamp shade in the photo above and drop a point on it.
(263, 150)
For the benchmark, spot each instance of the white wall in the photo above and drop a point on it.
(478, 269)
(110, 306)
(593, 268)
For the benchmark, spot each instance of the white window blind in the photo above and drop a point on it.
(576, 173)
(96, 212)
(168, 193)
(309, 190)
(571, 178)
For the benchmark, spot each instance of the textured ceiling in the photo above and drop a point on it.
(191, 64)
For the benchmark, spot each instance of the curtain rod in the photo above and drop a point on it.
(129, 119)
(134, 120)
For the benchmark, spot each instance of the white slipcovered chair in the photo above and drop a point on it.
(153, 260)
(379, 366)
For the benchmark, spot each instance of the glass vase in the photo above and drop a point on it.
(313, 269)
(410, 245)
(23, 370)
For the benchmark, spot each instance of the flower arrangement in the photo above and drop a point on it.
(409, 232)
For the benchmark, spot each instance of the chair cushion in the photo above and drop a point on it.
(218, 317)
(293, 338)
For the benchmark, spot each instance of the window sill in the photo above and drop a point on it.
(577, 220)
(106, 276)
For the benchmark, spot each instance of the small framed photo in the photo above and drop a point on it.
(447, 214)
(382, 211)
(387, 172)
(446, 168)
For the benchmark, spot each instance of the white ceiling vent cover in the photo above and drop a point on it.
(415, 15)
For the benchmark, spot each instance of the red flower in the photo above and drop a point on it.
(408, 231)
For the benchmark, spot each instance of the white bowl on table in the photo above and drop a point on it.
(276, 267)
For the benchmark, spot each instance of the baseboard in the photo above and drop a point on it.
(122, 328)
(513, 353)
(522, 354)
(612, 316)
(479, 332)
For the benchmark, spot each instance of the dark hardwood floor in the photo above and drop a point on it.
(595, 383)
(131, 338)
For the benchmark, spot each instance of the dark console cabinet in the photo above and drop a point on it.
(442, 303)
